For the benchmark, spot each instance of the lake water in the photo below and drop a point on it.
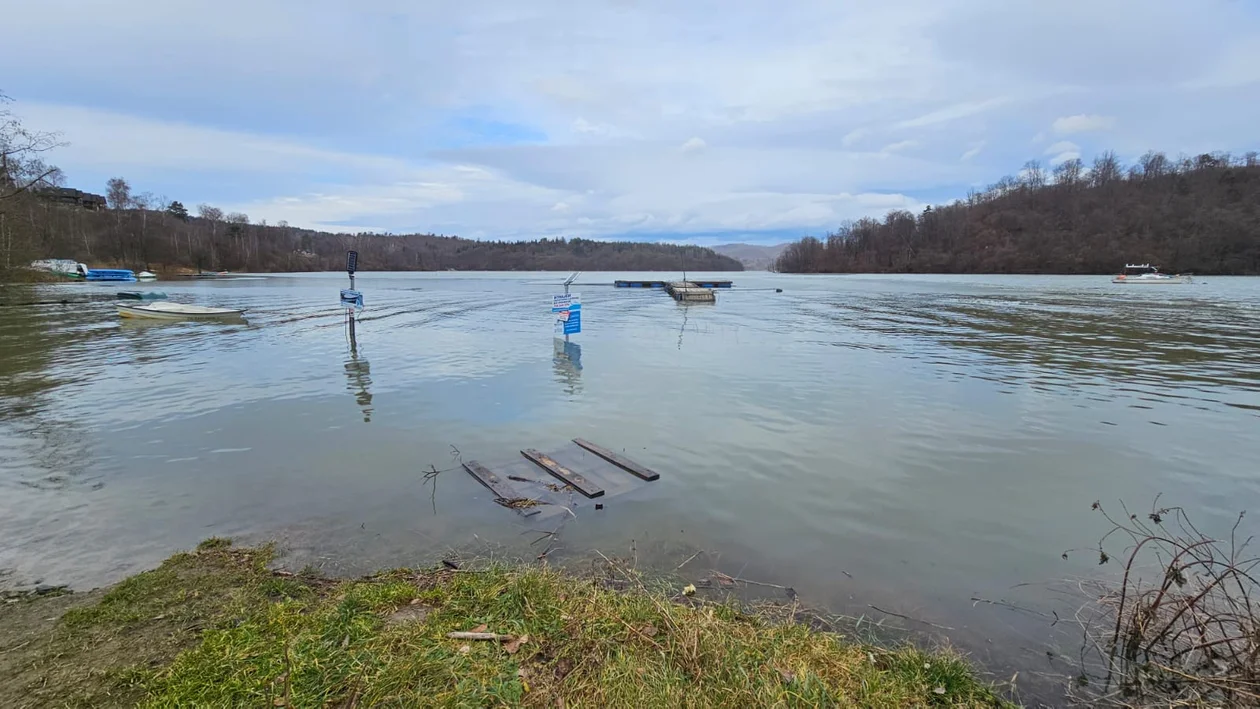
(909, 442)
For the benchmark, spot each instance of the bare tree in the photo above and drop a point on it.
(21, 167)
(210, 214)
(1106, 169)
(1069, 172)
(1154, 165)
(214, 215)
(1033, 174)
(118, 193)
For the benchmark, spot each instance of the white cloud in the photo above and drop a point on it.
(1064, 156)
(601, 130)
(118, 141)
(693, 145)
(972, 152)
(1063, 146)
(953, 112)
(1082, 123)
(899, 146)
(854, 136)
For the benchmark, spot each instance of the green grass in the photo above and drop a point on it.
(220, 630)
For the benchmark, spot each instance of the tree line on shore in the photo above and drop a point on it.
(1198, 215)
(40, 218)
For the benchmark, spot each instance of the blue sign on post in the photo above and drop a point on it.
(352, 299)
(568, 311)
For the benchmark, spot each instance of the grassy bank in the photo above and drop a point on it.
(215, 627)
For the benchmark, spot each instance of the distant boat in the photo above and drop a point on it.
(67, 268)
(1144, 273)
(146, 276)
(110, 274)
(166, 310)
(141, 295)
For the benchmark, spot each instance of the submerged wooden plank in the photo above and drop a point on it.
(500, 487)
(487, 477)
(579, 483)
(620, 461)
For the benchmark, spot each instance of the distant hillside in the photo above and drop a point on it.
(137, 238)
(1190, 215)
(754, 257)
(41, 218)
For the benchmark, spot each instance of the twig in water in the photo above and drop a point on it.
(676, 568)
(552, 536)
(431, 475)
(1004, 604)
(917, 620)
(735, 579)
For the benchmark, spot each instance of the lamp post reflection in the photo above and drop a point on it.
(359, 373)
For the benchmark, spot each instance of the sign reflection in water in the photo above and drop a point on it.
(567, 361)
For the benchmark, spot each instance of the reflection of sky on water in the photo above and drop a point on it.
(932, 437)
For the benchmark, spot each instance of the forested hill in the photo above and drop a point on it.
(1199, 215)
(135, 237)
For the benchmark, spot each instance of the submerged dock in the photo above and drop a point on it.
(690, 292)
(665, 284)
(547, 483)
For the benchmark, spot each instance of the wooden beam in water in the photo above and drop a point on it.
(500, 487)
(620, 461)
(579, 483)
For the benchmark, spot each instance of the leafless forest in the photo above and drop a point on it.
(1199, 215)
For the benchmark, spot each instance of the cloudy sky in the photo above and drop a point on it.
(689, 120)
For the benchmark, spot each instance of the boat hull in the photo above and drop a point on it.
(1172, 281)
(119, 275)
(189, 312)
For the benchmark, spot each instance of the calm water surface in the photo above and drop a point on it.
(910, 442)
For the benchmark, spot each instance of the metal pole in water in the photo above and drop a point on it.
(568, 282)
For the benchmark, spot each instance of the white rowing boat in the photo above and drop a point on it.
(166, 310)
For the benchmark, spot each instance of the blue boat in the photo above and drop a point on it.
(110, 274)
